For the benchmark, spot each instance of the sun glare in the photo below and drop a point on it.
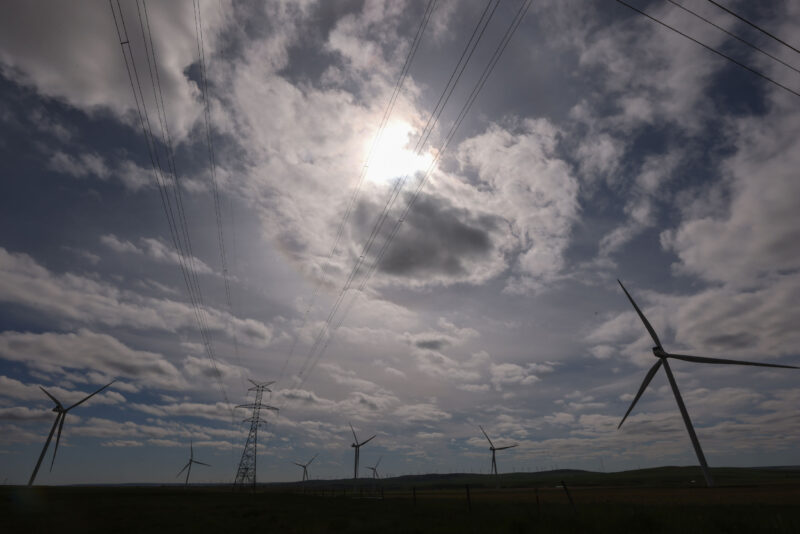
(394, 156)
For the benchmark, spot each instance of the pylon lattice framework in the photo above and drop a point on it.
(246, 473)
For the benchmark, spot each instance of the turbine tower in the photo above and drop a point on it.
(246, 472)
(189, 465)
(305, 467)
(663, 356)
(356, 445)
(494, 450)
(374, 469)
(61, 414)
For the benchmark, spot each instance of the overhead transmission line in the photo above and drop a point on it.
(201, 55)
(487, 71)
(431, 6)
(731, 34)
(171, 205)
(749, 23)
(466, 55)
(709, 48)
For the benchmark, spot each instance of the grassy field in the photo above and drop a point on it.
(664, 500)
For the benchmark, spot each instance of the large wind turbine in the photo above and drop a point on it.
(495, 449)
(356, 445)
(374, 468)
(305, 467)
(662, 355)
(61, 414)
(189, 465)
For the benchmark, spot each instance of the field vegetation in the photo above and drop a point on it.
(653, 500)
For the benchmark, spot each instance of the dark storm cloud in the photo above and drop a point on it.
(437, 239)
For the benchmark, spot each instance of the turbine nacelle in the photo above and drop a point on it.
(659, 352)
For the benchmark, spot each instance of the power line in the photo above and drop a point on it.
(707, 47)
(365, 167)
(731, 34)
(762, 30)
(466, 55)
(175, 215)
(448, 139)
(201, 55)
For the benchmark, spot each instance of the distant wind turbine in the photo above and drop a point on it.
(356, 445)
(662, 355)
(305, 467)
(188, 466)
(494, 449)
(61, 414)
(374, 468)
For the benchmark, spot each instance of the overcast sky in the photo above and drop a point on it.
(602, 146)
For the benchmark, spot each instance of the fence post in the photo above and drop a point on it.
(414, 494)
(564, 485)
(469, 500)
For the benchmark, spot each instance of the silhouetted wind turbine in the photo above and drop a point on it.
(189, 465)
(494, 449)
(356, 445)
(61, 414)
(662, 355)
(374, 469)
(305, 467)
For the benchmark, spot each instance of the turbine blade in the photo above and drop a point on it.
(354, 432)
(312, 459)
(182, 470)
(201, 463)
(378, 462)
(642, 317)
(89, 396)
(51, 397)
(58, 438)
(191, 450)
(367, 441)
(507, 447)
(299, 465)
(487, 436)
(648, 377)
(703, 359)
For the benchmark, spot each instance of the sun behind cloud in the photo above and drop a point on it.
(394, 156)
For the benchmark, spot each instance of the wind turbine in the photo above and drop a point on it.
(189, 465)
(662, 355)
(305, 467)
(374, 469)
(356, 445)
(61, 414)
(494, 449)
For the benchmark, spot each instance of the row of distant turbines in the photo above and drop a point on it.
(658, 351)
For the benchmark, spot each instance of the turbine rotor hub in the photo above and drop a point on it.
(658, 352)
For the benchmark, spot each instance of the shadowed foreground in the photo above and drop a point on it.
(766, 506)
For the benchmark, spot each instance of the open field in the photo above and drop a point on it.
(764, 501)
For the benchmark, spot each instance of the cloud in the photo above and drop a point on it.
(86, 350)
(72, 297)
(755, 236)
(511, 373)
(425, 412)
(79, 166)
(154, 249)
(533, 189)
(47, 47)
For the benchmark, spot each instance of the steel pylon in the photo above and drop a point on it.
(246, 472)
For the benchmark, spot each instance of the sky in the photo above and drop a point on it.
(413, 305)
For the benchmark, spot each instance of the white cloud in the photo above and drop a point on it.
(77, 298)
(86, 350)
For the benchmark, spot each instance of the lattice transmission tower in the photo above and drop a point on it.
(246, 473)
